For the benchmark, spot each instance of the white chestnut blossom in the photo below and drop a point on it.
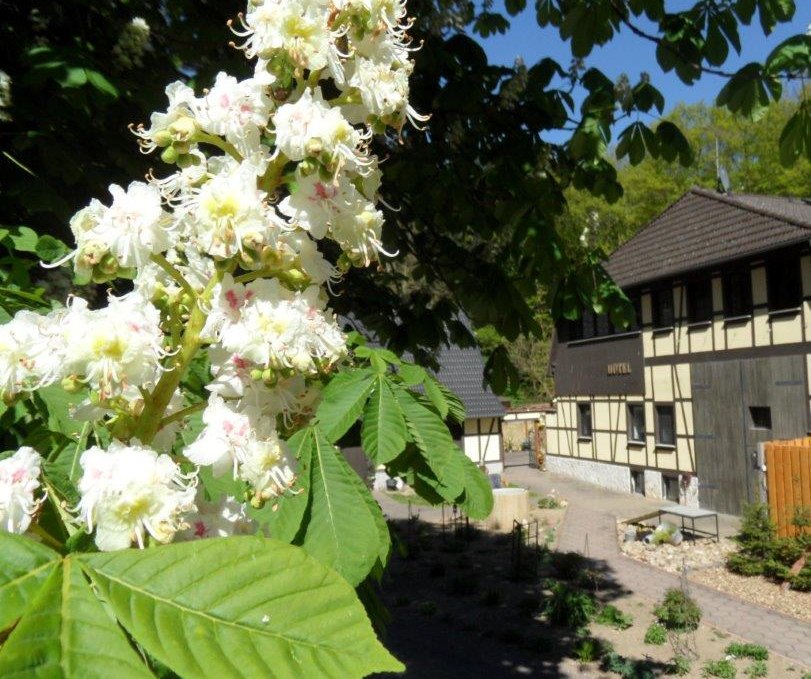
(176, 124)
(19, 480)
(217, 519)
(114, 347)
(30, 354)
(130, 492)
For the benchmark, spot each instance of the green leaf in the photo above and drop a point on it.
(100, 83)
(49, 249)
(240, 607)
(477, 500)
(436, 396)
(673, 144)
(514, 7)
(790, 55)
(58, 403)
(456, 409)
(434, 441)
(67, 633)
(795, 139)
(340, 524)
(24, 239)
(383, 435)
(412, 374)
(745, 92)
(342, 402)
(24, 566)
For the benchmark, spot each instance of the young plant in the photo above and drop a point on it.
(198, 413)
(757, 669)
(655, 635)
(746, 650)
(569, 607)
(680, 616)
(612, 616)
(723, 669)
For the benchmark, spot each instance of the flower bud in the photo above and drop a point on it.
(256, 374)
(257, 501)
(181, 147)
(313, 147)
(72, 384)
(270, 257)
(169, 155)
(183, 129)
(307, 166)
(108, 265)
(162, 138)
(185, 160)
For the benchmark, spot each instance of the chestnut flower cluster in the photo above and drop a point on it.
(226, 255)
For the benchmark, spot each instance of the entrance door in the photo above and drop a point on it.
(736, 405)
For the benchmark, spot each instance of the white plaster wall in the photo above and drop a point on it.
(612, 476)
(688, 486)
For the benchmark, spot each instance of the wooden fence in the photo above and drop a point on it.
(788, 481)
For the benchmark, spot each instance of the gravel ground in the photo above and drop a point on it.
(704, 560)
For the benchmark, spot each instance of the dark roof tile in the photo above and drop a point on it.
(703, 229)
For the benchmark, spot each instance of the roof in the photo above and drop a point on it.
(704, 228)
(461, 369)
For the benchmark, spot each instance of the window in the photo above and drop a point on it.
(761, 417)
(662, 301)
(665, 426)
(584, 420)
(636, 423)
(638, 481)
(699, 300)
(784, 283)
(637, 322)
(670, 487)
(604, 327)
(737, 293)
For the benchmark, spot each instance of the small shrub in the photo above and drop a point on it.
(588, 650)
(567, 565)
(758, 534)
(680, 666)
(678, 612)
(550, 502)
(613, 617)
(723, 669)
(744, 565)
(569, 607)
(655, 635)
(757, 669)
(753, 651)
(802, 581)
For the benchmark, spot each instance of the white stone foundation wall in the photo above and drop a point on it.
(612, 476)
(653, 484)
(688, 490)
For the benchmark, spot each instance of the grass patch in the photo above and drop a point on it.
(612, 616)
(723, 669)
(753, 651)
(655, 635)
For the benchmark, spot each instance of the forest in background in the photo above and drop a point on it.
(746, 149)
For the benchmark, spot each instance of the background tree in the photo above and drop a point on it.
(476, 198)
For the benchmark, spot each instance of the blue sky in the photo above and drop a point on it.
(632, 55)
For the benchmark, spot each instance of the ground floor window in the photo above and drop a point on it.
(636, 423)
(584, 420)
(638, 481)
(670, 487)
(665, 425)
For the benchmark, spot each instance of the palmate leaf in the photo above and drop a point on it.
(285, 517)
(477, 500)
(24, 566)
(342, 402)
(66, 633)
(341, 528)
(434, 442)
(240, 607)
(383, 435)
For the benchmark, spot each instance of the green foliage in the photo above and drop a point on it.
(569, 606)
(747, 650)
(568, 565)
(590, 649)
(655, 635)
(723, 669)
(757, 669)
(550, 502)
(680, 666)
(677, 612)
(289, 630)
(613, 617)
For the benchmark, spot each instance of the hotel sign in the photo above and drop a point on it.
(618, 369)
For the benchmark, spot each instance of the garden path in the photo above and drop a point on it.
(590, 528)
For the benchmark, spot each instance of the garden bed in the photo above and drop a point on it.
(704, 560)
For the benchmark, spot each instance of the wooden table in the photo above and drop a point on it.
(692, 513)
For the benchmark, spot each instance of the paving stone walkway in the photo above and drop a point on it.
(592, 532)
